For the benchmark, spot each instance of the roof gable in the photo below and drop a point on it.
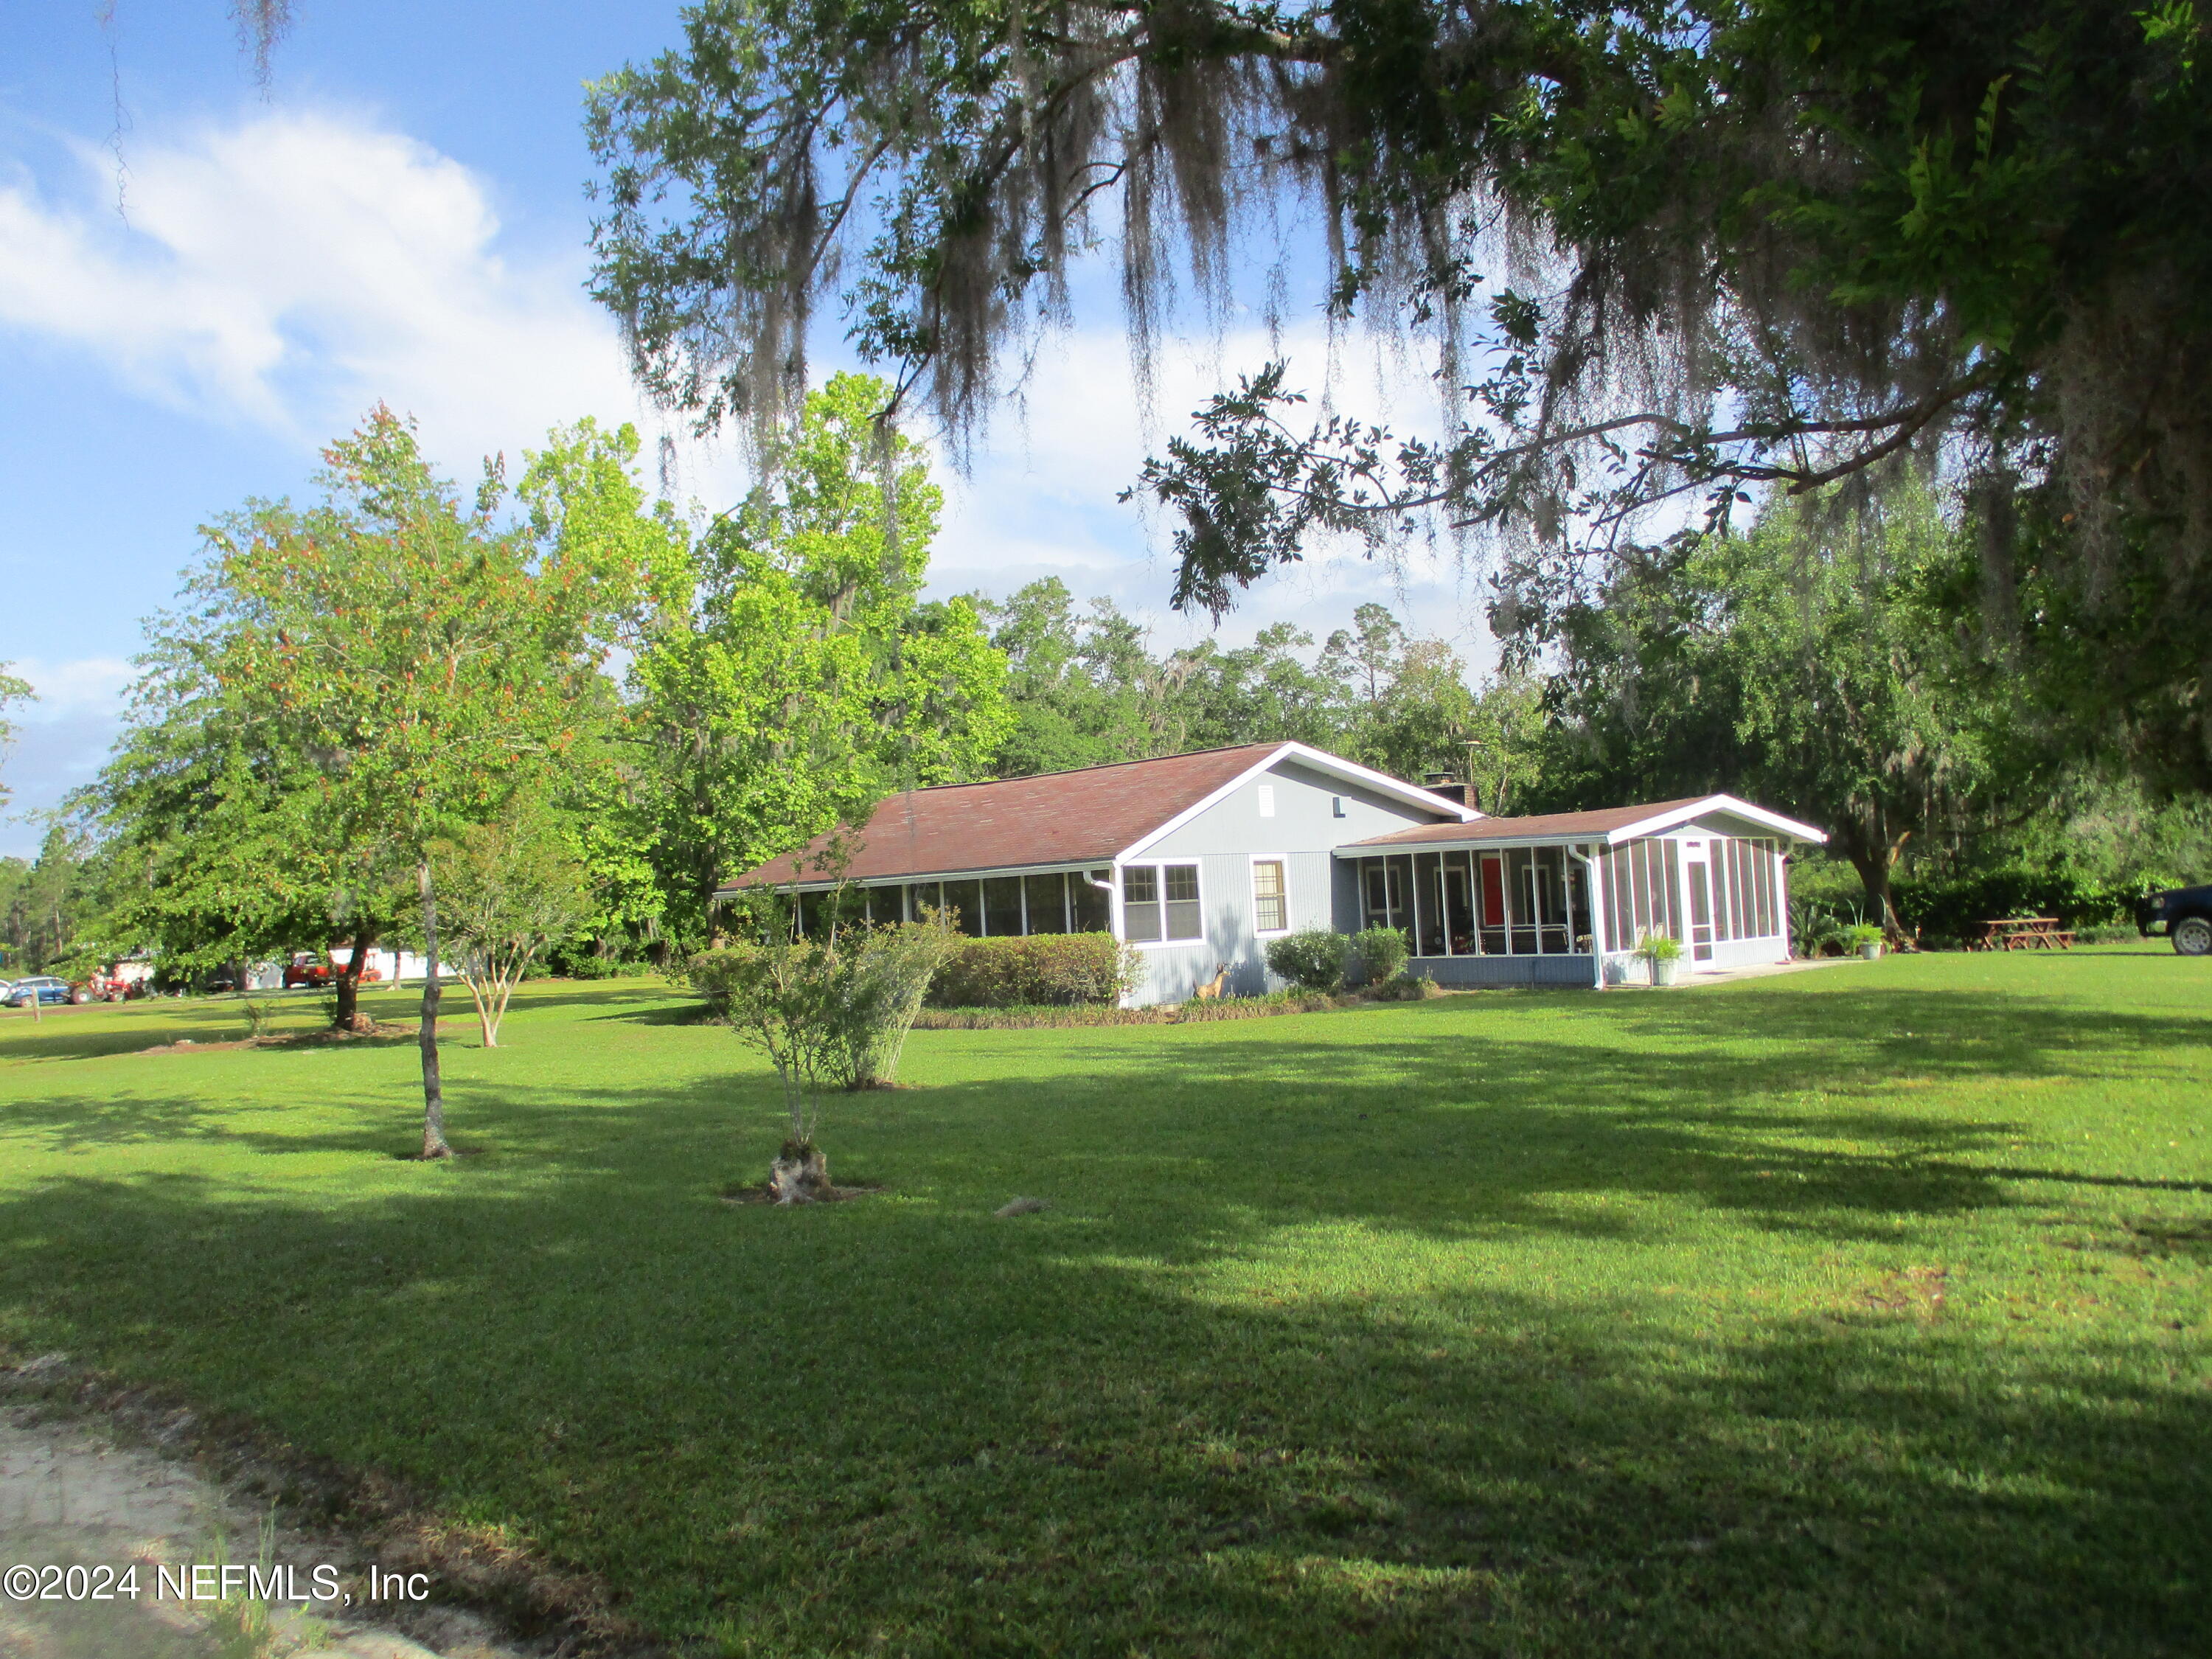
(1613, 824)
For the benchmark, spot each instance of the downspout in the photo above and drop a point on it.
(1113, 891)
(1595, 889)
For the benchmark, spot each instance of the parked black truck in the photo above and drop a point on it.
(2185, 914)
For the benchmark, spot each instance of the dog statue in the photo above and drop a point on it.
(1212, 989)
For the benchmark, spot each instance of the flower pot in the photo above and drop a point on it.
(1871, 950)
(1662, 972)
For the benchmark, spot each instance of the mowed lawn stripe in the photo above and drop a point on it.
(1861, 1311)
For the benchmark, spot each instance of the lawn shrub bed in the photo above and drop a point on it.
(1050, 971)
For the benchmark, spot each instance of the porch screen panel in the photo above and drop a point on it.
(1619, 903)
(1724, 884)
(1428, 904)
(1578, 911)
(923, 895)
(1672, 860)
(1459, 904)
(1717, 883)
(1046, 897)
(1552, 881)
(965, 897)
(1093, 906)
(1743, 918)
(1002, 905)
(1766, 917)
(1521, 896)
(1639, 892)
(1493, 904)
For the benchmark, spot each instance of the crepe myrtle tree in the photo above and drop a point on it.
(429, 653)
(506, 890)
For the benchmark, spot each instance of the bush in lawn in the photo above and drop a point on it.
(827, 1013)
(1038, 970)
(1378, 954)
(1312, 960)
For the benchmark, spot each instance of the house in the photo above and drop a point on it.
(1200, 859)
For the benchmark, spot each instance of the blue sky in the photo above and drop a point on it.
(194, 298)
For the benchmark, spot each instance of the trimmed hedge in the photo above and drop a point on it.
(1039, 970)
(1312, 960)
(1377, 955)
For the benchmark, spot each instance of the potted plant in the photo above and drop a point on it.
(1865, 939)
(1664, 951)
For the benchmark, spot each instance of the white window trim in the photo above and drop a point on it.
(1253, 862)
(1159, 867)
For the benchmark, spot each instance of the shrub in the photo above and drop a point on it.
(1040, 970)
(1312, 960)
(1665, 947)
(1407, 987)
(1379, 953)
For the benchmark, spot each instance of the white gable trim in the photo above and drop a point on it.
(1775, 821)
(1322, 761)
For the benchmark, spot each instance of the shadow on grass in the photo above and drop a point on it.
(904, 1424)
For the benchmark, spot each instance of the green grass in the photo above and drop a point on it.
(1859, 1312)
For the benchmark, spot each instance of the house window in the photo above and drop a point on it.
(1271, 904)
(1336, 807)
(1140, 903)
(1160, 902)
(1184, 920)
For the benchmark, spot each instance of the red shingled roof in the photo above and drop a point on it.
(1598, 823)
(1061, 818)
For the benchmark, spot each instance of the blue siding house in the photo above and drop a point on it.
(1199, 859)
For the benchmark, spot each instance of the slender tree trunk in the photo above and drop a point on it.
(434, 1092)
(347, 1017)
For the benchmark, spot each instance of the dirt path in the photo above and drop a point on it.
(72, 1495)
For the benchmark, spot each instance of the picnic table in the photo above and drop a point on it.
(2024, 933)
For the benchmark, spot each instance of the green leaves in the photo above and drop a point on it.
(804, 678)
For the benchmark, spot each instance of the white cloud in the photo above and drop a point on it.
(290, 268)
(67, 690)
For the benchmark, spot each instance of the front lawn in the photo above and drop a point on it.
(1856, 1311)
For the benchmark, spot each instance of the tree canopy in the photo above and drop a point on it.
(800, 676)
(1680, 245)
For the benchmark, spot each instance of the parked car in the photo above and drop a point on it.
(307, 969)
(45, 987)
(2185, 914)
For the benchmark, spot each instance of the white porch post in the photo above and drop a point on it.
(1594, 889)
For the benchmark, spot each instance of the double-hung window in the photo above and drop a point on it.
(1159, 902)
(1271, 904)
